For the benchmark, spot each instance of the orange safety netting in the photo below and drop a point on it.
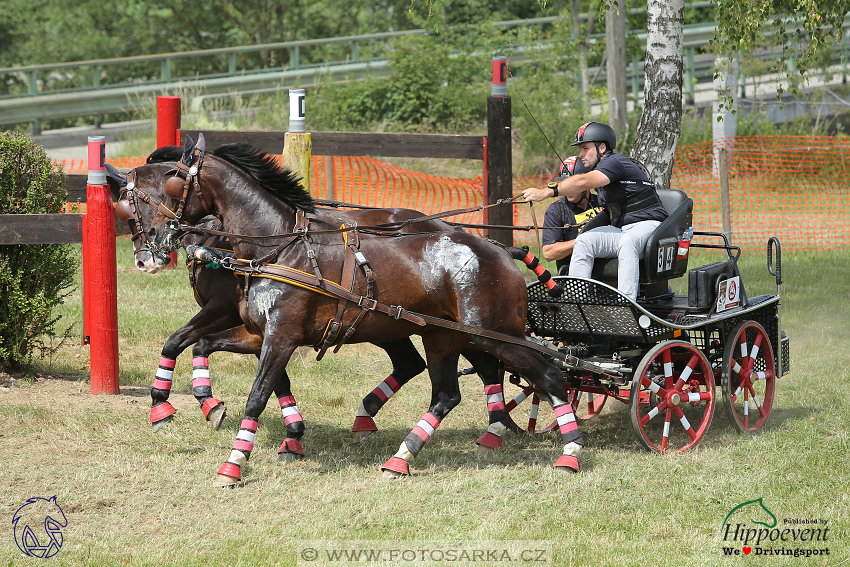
(779, 186)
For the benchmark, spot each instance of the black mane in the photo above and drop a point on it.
(165, 154)
(264, 168)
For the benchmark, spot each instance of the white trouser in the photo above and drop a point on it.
(625, 244)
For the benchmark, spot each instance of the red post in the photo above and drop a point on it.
(167, 121)
(102, 273)
(168, 132)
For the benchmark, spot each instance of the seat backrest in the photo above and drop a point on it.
(671, 199)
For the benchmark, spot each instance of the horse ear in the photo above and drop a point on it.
(188, 150)
(202, 143)
(113, 172)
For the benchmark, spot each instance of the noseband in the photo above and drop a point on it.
(127, 209)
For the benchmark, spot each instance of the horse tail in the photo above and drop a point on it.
(543, 275)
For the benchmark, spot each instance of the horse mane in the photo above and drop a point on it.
(165, 154)
(265, 169)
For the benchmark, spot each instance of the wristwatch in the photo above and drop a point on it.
(553, 185)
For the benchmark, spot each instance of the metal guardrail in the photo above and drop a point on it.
(101, 98)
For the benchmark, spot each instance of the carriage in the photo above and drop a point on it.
(663, 355)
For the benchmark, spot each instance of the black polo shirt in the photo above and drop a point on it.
(623, 174)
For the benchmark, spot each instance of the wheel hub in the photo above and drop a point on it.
(675, 399)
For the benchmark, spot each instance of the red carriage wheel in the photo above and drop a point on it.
(748, 376)
(587, 405)
(526, 406)
(672, 399)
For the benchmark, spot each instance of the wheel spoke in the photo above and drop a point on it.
(653, 412)
(518, 399)
(668, 368)
(685, 423)
(532, 416)
(653, 387)
(665, 437)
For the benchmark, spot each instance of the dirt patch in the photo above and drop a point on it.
(73, 393)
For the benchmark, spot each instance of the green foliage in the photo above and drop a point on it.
(33, 278)
(803, 28)
(434, 85)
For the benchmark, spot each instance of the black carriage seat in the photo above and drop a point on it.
(658, 260)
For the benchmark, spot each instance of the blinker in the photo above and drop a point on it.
(174, 187)
(123, 210)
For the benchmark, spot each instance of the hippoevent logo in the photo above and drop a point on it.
(751, 529)
(38, 527)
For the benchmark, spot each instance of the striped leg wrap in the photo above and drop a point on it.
(376, 399)
(242, 448)
(291, 416)
(161, 389)
(201, 385)
(496, 409)
(567, 423)
(420, 434)
(294, 426)
(164, 374)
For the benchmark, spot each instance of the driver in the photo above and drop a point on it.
(624, 191)
(565, 217)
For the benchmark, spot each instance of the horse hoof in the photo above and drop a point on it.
(287, 457)
(482, 450)
(216, 416)
(224, 481)
(393, 474)
(157, 425)
(361, 436)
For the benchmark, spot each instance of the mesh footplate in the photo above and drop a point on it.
(588, 308)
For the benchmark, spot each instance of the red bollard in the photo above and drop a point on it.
(168, 132)
(102, 273)
(167, 121)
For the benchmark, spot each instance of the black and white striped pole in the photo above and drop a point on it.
(498, 157)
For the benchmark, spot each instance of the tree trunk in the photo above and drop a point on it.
(615, 45)
(660, 124)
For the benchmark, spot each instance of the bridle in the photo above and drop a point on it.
(127, 209)
(177, 188)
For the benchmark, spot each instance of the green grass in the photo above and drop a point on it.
(135, 498)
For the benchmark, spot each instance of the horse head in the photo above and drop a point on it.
(234, 175)
(138, 206)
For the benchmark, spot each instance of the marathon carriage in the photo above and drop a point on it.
(663, 355)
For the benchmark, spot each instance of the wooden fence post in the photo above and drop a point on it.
(725, 200)
(102, 271)
(499, 161)
(297, 143)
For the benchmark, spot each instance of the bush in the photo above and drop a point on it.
(33, 278)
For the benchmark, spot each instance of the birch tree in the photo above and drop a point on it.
(660, 123)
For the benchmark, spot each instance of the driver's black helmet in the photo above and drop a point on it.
(596, 132)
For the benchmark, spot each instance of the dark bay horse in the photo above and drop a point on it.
(422, 281)
(217, 293)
